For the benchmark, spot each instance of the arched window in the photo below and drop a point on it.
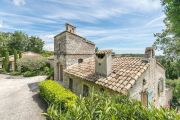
(80, 60)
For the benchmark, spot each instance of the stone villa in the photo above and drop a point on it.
(78, 67)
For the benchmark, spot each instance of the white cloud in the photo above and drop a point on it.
(156, 22)
(47, 37)
(19, 2)
(141, 5)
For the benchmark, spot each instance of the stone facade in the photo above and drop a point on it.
(70, 48)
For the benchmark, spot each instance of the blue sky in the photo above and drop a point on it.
(126, 26)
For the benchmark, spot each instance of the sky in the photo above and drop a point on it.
(126, 26)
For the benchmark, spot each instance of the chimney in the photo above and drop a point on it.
(103, 62)
(70, 28)
(149, 53)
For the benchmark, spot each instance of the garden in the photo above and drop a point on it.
(65, 105)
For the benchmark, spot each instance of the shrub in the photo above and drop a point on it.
(54, 93)
(15, 73)
(31, 64)
(6, 61)
(105, 107)
(175, 84)
(30, 73)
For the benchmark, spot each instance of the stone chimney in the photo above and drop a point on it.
(149, 52)
(70, 28)
(103, 62)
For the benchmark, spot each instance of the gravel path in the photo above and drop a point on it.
(19, 99)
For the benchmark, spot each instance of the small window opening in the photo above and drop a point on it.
(80, 60)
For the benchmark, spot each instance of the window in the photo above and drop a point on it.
(160, 86)
(80, 60)
(71, 84)
(144, 82)
(85, 90)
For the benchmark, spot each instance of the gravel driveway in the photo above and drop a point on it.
(19, 99)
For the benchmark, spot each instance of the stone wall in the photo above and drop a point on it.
(152, 76)
(68, 48)
(78, 45)
(73, 59)
(78, 85)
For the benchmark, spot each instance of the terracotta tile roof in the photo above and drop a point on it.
(125, 72)
(104, 51)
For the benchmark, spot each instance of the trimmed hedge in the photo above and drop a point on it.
(54, 93)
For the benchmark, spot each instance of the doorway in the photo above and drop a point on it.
(144, 98)
(60, 72)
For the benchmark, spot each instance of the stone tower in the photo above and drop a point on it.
(69, 49)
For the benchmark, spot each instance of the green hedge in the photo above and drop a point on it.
(54, 93)
(30, 73)
(105, 107)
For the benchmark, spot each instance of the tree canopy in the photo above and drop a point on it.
(169, 39)
(19, 41)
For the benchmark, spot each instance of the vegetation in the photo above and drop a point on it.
(32, 66)
(15, 59)
(19, 41)
(175, 84)
(98, 106)
(54, 93)
(6, 61)
(169, 39)
(47, 53)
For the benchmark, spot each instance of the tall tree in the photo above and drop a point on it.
(169, 39)
(15, 59)
(18, 41)
(6, 61)
(35, 44)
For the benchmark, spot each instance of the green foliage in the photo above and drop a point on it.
(6, 61)
(56, 94)
(15, 73)
(169, 39)
(20, 55)
(15, 59)
(171, 66)
(175, 84)
(105, 107)
(30, 73)
(47, 53)
(19, 41)
(35, 44)
(31, 64)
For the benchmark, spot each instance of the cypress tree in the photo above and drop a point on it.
(15, 59)
(6, 61)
